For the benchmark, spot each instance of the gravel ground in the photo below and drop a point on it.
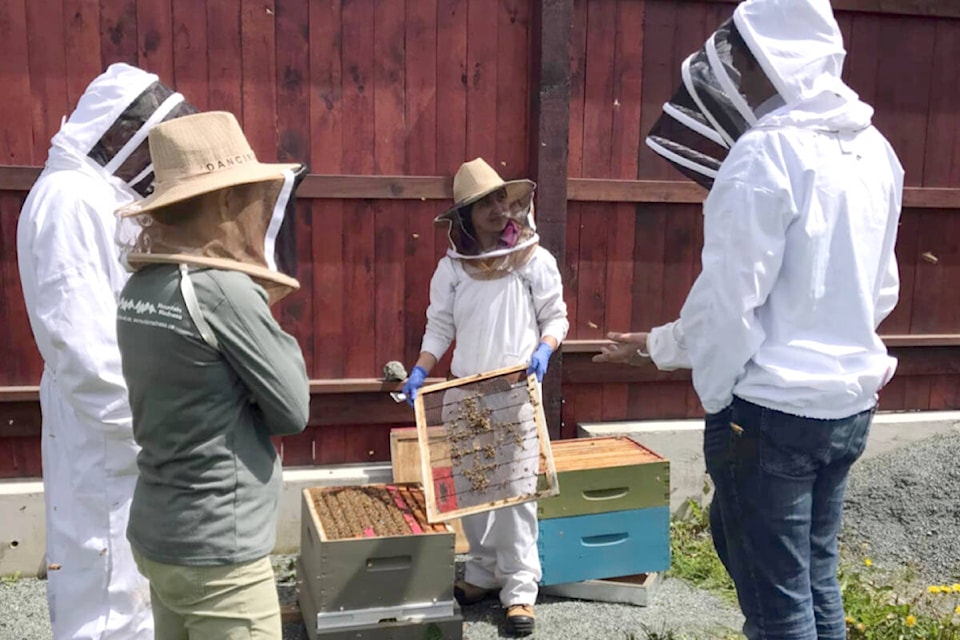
(903, 505)
(675, 606)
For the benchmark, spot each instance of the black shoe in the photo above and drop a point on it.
(520, 619)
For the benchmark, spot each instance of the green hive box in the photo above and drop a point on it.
(410, 574)
(600, 475)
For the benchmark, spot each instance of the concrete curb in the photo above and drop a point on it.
(681, 442)
(22, 538)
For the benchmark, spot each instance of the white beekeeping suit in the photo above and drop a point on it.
(798, 264)
(71, 277)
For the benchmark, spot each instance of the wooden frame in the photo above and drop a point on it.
(543, 437)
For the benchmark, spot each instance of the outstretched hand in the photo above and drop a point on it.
(626, 348)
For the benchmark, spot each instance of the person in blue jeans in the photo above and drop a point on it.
(780, 327)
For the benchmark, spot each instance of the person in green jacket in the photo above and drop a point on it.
(211, 377)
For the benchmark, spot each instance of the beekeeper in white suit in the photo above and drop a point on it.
(499, 295)
(71, 277)
(780, 328)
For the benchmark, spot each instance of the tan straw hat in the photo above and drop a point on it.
(477, 179)
(198, 154)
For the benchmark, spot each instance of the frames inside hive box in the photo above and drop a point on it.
(493, 448)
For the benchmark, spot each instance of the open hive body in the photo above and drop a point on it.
(371, 562)
(612, 515)
(483, 444)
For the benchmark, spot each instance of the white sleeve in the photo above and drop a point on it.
(889, 291)
(440, 330)
(77, 309)
(546, 287)
(667, 347)
(744, 238)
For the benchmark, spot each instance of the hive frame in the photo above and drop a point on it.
(543, 436)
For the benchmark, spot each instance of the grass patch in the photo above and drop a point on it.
(693, 558)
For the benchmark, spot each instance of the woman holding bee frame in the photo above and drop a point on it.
(499, 295)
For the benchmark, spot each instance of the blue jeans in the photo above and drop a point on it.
(780, 481)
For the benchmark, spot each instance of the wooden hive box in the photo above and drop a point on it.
(598, 475)
(612, 515)
(369, 578)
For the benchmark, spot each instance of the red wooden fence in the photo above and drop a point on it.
(385, 100)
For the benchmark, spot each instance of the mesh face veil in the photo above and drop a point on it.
(723, 93)
(123, 150)
(248, 227)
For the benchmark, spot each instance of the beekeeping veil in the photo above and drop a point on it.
(215, 205)
(779, 61)
(108, 130)
(474, 181)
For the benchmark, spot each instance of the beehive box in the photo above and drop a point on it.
(612, 516)
(604, 545)
(599, 475)
(440, 627)
(377, 561)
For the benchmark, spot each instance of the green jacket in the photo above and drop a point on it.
(209, 485)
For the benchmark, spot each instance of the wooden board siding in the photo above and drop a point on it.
(384, 103)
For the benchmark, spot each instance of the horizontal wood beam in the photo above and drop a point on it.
(317, 186)
(930, 8)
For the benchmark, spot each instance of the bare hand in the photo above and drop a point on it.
(625, 349)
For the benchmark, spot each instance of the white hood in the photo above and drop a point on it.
(107, 132)
(800, 48)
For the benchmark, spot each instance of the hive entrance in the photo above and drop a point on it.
(493, 449)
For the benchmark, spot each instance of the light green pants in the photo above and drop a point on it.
(230, 602)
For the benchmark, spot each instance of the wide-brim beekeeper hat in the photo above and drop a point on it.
(476, 179)
(198, 154)
(214, 204)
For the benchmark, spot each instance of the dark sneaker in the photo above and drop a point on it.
(520, 619)
(467, 594)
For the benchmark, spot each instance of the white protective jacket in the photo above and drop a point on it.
(71, 280)
(497, 323)
(799, 232)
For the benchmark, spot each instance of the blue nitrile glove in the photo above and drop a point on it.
(541, 357)
(414, 382)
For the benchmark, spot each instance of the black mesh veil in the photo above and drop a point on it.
(712, 107)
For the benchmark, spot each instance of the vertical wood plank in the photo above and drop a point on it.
(482, 80)
(628, 90)
(389, 158)
(660, 75)
(224, 57)
(452, 79)
(15, 107)
(20, 362)
(550, 115)
(155, 38)
(326, 151)
(190, 68)
(421, 159)
(615, 400)
(570, 269)
(358, 222)
(81, 41)
(47, 68)
(933, 309)
(941, 167)
(916, 394)
(118, 31)
(259, 90)
(293, 125)
(329, 444)
(650, 224)
(909, 265)
(902, 115)
(578, 64)
(513, 49)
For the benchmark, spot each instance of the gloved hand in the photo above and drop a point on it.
(541, 357)
(414, 382)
